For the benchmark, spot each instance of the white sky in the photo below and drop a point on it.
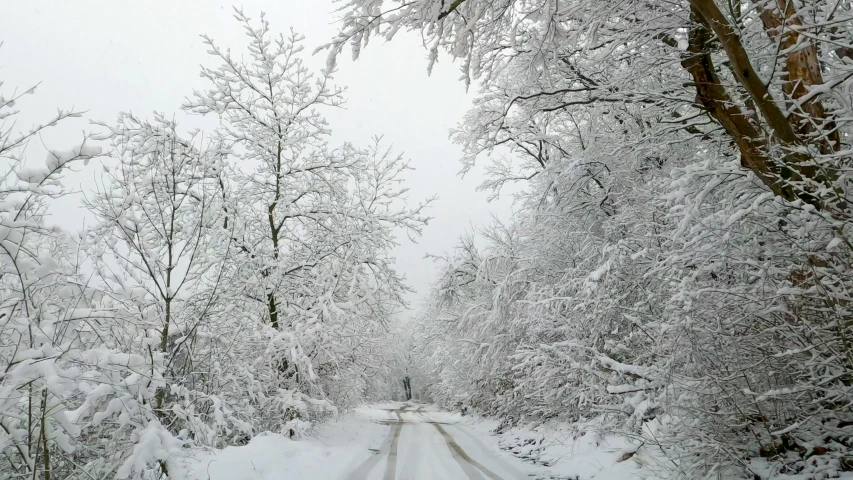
(107, 56)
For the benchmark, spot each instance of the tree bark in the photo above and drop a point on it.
(802, 70)
(795, 175)
(712, 95)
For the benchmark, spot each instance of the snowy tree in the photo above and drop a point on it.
(580, 56)
(680, 254)
(55, 372)
(154, 250)
(234, 283)
(313, 225)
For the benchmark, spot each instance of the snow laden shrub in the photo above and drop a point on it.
(756, 321)
(71, 403)
(678, 266)
(155, 251)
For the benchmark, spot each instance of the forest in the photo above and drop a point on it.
(676, 271)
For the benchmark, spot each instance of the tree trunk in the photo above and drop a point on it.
(794, 176)
(802, 70)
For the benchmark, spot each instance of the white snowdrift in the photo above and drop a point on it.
(333, 450)
(271, 457)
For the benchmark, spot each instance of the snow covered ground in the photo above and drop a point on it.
(409, 441)
(566, 454)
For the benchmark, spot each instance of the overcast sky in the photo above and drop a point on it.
(108, 56)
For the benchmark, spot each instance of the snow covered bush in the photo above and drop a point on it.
(72, 403)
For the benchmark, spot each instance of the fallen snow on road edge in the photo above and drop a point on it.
(270, 456)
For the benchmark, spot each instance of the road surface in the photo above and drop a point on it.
(422, 443)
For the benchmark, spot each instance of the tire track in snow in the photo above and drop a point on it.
(462, 458)
(505, 466)
(389, 445)
(391, 465)
(468, 464)
(473, 469)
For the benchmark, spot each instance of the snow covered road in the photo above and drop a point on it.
(426, 444)
(394, 441)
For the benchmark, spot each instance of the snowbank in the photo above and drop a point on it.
(333, 450)
(579, 455)
(271, 457)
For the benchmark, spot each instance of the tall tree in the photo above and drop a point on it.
(313, 225)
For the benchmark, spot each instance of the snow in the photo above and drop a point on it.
(416, 441)
(833, 244)
(564, 452)
(626, 388)
(56, 160)
(154, 443)
(329, 452)
(271, 456)
(624, 368)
